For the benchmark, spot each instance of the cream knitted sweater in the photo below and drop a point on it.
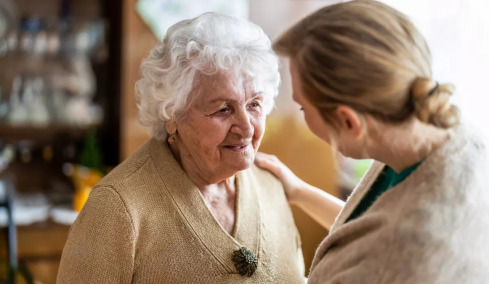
(431, 228)
(146, 222)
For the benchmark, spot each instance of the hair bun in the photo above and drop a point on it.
(432, 103)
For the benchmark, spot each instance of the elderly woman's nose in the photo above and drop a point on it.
(242, 124)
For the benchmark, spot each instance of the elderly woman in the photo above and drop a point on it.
(190, 206)
(362, 74)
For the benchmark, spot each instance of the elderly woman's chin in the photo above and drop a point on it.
(238, 158)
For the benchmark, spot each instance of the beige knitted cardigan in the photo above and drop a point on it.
(146, 222)
(431, 228)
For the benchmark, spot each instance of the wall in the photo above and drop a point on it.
(137, 41)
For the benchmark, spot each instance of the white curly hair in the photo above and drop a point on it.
(206, 45)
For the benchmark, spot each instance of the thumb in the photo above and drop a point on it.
(259, 159)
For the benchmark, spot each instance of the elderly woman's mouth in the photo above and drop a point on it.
(237, 148)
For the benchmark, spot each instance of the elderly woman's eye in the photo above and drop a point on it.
(223, 110)
(255, 104)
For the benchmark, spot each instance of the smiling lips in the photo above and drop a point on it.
(237, 148)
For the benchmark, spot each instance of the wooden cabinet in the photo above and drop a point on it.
(48, 147)
(39, 249)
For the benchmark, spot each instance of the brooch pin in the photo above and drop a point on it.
(245, 261)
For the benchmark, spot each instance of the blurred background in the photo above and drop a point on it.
(68, 112)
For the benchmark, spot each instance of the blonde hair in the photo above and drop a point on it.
(369, 56)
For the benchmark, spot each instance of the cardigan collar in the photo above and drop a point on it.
(197, 216)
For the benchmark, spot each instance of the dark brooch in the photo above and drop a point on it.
(245, 261)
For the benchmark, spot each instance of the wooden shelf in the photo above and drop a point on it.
(38, 239)
(12, 134)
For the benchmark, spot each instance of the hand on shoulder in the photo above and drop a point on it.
(292, 184)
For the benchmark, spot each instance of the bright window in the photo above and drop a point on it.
(457, 32)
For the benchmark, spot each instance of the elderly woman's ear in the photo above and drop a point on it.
(171, 127)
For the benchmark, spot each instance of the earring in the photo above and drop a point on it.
(171, 139)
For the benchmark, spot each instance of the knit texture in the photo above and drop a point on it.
(386, 179)
(431, 228)
(146, 222)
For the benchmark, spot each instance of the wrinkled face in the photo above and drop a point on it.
(313, 118)
(222, 129)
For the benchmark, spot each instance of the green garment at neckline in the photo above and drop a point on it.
(387, 179)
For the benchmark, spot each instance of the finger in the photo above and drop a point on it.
(269, 165)
(269, 157)
(262, 161)
(263, 155)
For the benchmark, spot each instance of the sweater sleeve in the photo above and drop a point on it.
(370, 251)
(100, 245)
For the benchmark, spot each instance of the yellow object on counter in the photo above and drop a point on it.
(84, 180)
(80, 197)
